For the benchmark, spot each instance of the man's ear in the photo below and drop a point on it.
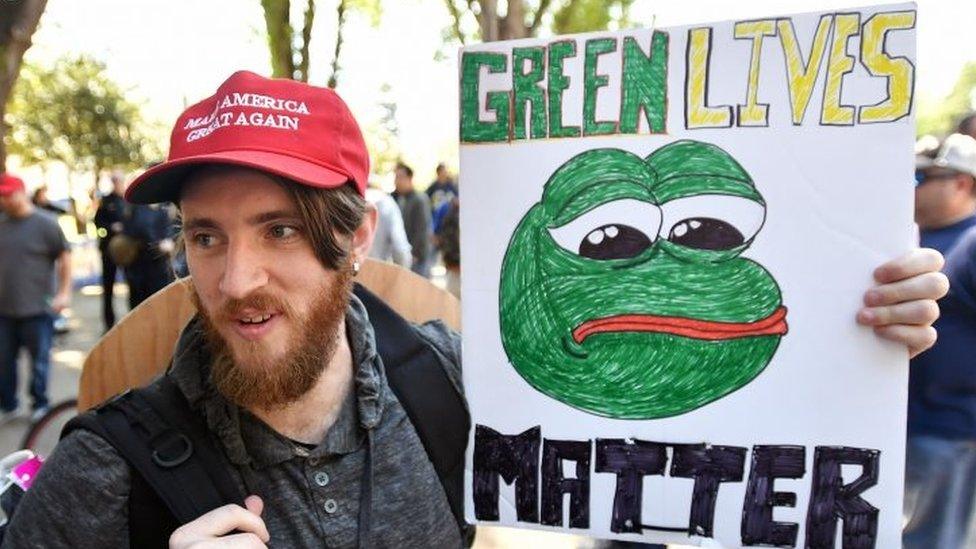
(969, 184)
(362, 237)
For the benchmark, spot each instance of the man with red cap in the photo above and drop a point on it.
(32, 248)
(285, 365)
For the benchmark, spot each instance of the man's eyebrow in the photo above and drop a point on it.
(199, 223)
(275, 215)
(258, 219)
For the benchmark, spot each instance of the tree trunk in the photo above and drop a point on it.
(19, 21)
(488, 18)
(276, 19)
(341, 11)
(302, 73)
(514, 22)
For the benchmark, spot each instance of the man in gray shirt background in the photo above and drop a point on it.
(32, 245)
(415, 208)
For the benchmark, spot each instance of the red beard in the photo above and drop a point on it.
(255, 381)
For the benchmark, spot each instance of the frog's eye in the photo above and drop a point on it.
(711, 221)
(616, 230)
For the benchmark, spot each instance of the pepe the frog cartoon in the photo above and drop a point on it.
(623, 291)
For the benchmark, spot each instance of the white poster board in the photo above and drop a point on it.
(666, 236)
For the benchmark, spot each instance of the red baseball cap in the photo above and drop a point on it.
(9, 184)
(284, 127)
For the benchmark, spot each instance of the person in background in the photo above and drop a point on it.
(940, 480)
(109, 222)
(945, 197)
(415, 208)
(442, 190)
(390, 242)
(151, 270)
(967, 125)
(447, 239)
(41, 200)
(32, 248)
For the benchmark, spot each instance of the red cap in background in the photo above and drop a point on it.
(9, 184)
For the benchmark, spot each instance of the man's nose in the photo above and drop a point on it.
(243, 271)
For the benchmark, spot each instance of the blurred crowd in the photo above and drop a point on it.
(419, 230)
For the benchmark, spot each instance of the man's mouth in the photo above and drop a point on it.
(774, 324)
(260, 319)
(253, 325)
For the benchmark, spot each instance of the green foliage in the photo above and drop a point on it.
(288, 44)
(559, 16)
(591, 15)
(383, 135)
(940, 117)
(370, 9)
(73, 113)
(280, 37)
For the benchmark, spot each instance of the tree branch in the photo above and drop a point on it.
(306, 40)
(13, 44)
(341, 11)
(537, 17)
(278, 24)
(456, 17)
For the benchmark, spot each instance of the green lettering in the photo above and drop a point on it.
(527, 88)
(473, 129)
(558, 82)
(645, 84)
(593, 82)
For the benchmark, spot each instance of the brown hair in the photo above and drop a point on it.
(328, 216)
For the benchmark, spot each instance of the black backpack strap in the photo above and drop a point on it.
(432, 402)
(164, 441)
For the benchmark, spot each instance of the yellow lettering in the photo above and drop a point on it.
(697, 113)
(899, 71)
(839, 64)
(800, 77)
(753, 113)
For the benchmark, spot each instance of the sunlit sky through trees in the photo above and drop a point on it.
(173, 52)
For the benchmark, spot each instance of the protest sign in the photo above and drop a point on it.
(666, 236)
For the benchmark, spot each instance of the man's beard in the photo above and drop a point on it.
(254, 380)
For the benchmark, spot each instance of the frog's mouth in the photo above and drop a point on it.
(774, 324)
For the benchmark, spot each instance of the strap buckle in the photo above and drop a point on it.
(171, 449)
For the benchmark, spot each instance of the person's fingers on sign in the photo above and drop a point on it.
(901, 307)
(213, 529)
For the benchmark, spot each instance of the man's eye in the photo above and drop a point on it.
(204, 240)
(283, 231)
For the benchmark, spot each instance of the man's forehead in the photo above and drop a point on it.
(231, 190)
(937, 171)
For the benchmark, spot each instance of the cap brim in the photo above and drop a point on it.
(922, 162)
(162, 183)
